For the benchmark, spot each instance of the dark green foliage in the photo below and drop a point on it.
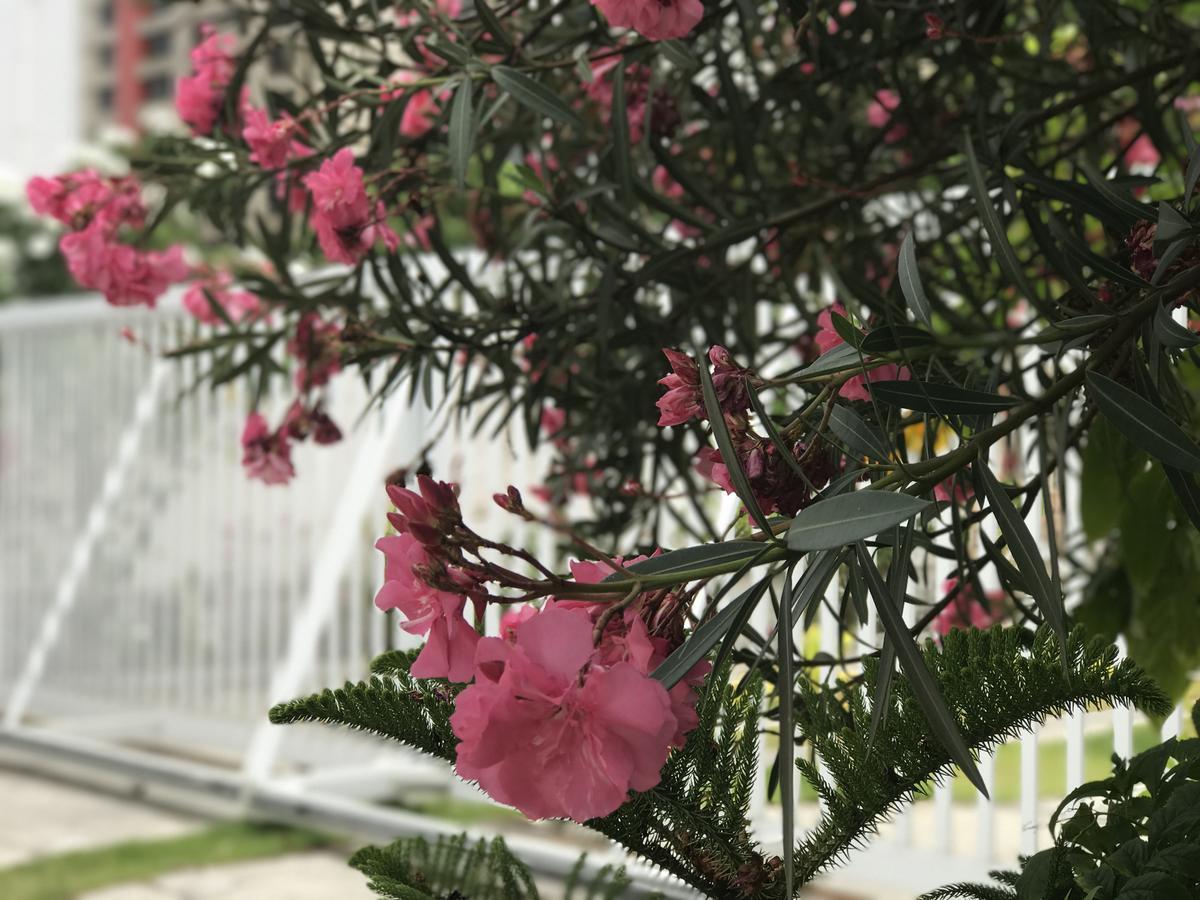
(996, 687)
(415, 712)
(1134, 835)
(451, 868)
(695, 822)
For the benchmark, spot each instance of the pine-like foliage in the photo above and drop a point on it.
(451, 867)
(996, 688)
(414, 711)
(695, 822)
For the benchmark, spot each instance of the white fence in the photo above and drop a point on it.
(154, 602)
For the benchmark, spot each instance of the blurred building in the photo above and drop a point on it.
(134, 52)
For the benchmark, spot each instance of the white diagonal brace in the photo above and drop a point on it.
(67, 590)
(362, 489)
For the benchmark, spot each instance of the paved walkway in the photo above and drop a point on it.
(40, 818)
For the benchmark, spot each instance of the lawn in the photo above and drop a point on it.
(67, 875)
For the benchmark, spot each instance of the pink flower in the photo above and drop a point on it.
(658, 20)
(854, 388)
(405, 18)
(879, 111)
(449, 650)
(125, 275)
(346, 222)
(317, 346)
(266, 455)
(272, 144)
(198, 97)
(76, 198)
(302, 421)
(429, 515)
(966, 610)
(238, 305)
(420, 109)
(546, 730)
(684, 399)
(1142, 151)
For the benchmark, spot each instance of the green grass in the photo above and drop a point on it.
(66, 876)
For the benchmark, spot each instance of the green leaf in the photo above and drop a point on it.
(924, 687)
(1110, 463)
(689, 558)
(846, 330)
(679, 55)
(491, 22)
(1144, 424)
(725, 444)
(620, 130)
(897, 585)
(890, 338)
(1170, 333)
(535, 96)
(850, 517)
(462, 131)
(1037, 877)
(1171, 225)
(1007, 257)
(1153, 886)
(787, 741)
(910, 282)
(1026, 554)
(811, 585)
(939, 399)
(705, 637)
(856, 434)
(840, 358)
(1180, 859)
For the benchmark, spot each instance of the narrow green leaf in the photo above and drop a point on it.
(620, 129)
(785, 452)
(846, 330)
(840, 358)
(679, 55)
(1026, 554)
(1171, 225)
(890, 338)
(910, 282)
(490, 21)
(924, 687)
(897, 585)
(1193, 173)
(462, 133)
(1007, 257)
(850, 517)
(1168, 258)
(787, 741)
(704, 638)
(725, 444)
(939, 399)
(689, 558)
(1170, 333)
(811, 585)
(1144, 424)
(1132, 210)
(535, 96)
(855, 433)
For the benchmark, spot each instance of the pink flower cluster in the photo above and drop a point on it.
(966, 610)
(642, 108)
(216, 291)
(95, 208)
(272, 143)
(684, 399)
(347, 223)
(855, 387)
(266, 454)
(317, 347)
(560, 717)
(658, 20)
(198, 97)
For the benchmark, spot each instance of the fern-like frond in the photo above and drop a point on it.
(970, 891)
(695, 822)
(414, 711)
(414, 869)
(996, 687)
